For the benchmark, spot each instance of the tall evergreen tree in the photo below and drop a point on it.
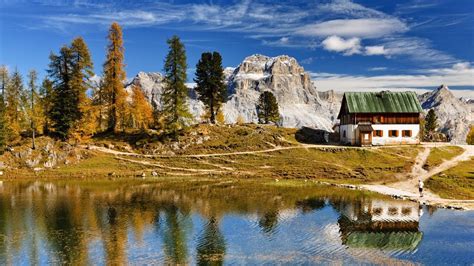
(64, 111)
(175, 109)
(14, 114)
(46, 101)
(209, 79)
(3, 119)
(431, 124)
(113, 92)
(81, 73)
(70, 72)
(267, 108)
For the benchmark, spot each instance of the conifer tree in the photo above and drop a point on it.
(210, 87)
(64, 111)
(86, 117)
(46, 103)
(175, 109)
(3, 120)
(431, 124)
(32, 106)
(113, 92)
(267, 108)
(13, 111)
(70, 72)
(140, 110)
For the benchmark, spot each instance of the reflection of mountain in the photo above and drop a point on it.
(388, 225)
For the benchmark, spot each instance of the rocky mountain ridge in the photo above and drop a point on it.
(299, 102)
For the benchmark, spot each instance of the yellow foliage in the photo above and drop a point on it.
(141, 111)
(240, 120)
(470, 136)
(220, 118)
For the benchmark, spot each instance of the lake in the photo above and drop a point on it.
(222, 222)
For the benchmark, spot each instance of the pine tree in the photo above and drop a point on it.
(3, 119)
(85, 120)
(431, 124)
(267, 108)
(70, 72)
(113, 92)
(140, 109)
(175, 109)
(46, 102)
(210, 87)
(14, 114)
(64, 112)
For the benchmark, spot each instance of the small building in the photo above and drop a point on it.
(379, 118)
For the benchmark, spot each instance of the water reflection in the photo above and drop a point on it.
(383, 224)
(205, 223)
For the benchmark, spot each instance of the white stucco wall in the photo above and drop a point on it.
(386, 140)
(352, 134)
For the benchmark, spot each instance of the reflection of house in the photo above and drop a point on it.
(370, 118)
(381, 224)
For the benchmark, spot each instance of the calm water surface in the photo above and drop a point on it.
(222, 223)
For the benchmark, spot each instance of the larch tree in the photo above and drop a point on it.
(267, 108)
(112, 91)
(210, 84)
(33, 107)
(174, 97)
(140, 110)
(14, 113)
(431, 124)
(3, 118)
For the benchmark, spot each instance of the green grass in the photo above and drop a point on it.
(455, 183)
(440, 154)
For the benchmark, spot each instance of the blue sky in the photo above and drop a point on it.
(343, 44)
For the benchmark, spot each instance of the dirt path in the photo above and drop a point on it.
(409, 188)
(278, 148)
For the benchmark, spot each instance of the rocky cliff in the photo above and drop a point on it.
(298, 99)
(454, 115)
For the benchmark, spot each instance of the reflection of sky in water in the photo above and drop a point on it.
(314, 232)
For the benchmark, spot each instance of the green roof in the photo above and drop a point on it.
(384, 240)
(382, 102)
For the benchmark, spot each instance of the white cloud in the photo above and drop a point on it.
(337, 44)
(457, 75)
(375, 50)
(377, 68)
(363, 28)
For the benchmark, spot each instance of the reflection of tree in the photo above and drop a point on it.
(115, 237)
(211, 245)
(174, 235)
(309, 205)
(64, 234)
(269, 221)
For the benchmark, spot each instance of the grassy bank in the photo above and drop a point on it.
(455, 183)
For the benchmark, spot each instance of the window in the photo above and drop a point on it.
(378, 133)
(406, 133)
(393, 133)
(344, 133)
